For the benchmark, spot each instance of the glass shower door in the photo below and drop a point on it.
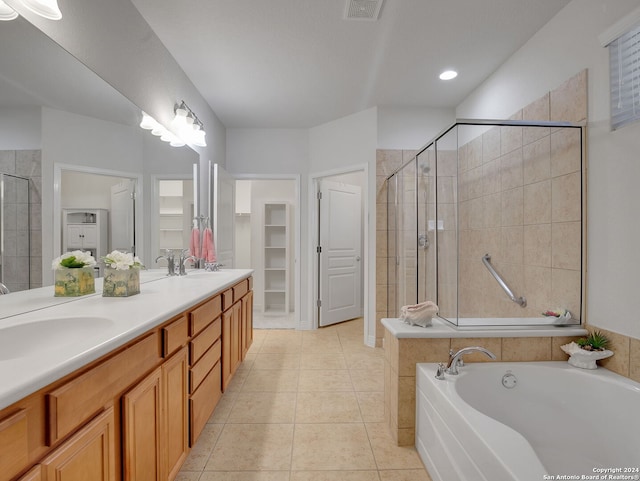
(426, 215)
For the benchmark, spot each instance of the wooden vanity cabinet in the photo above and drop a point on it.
(154, 422)
(133, 414)
(88, 455)
(237, 328)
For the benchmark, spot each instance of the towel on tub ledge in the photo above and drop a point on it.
(420, 314)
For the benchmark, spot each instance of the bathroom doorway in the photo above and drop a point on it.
(92, 190)
(267, 216)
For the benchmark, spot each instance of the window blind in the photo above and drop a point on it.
(624, 60)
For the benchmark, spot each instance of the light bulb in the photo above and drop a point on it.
(448, 75)
(45, 8)
(6, 12)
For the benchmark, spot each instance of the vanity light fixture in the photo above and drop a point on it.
(6, 12)
(448, 75)
(188, 126)
(157, 129)
(45, 8)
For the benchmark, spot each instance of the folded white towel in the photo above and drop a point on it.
(419, 314)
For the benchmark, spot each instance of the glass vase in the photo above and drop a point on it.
(121, 283)
(74, 282)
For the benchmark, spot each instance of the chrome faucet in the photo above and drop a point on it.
(169, 257)
(184, 258)
(455, 359)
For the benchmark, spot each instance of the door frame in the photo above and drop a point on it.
(57, 220)
(369, 334)
(296, 233)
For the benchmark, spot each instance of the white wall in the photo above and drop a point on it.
(410, 128)
(267, 151)
(566, 45)
(86, 191)
(20, 128)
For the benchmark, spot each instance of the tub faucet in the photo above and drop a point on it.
(452, 365)
(169, 257)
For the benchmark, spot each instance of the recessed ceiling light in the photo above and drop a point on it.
(448, 75)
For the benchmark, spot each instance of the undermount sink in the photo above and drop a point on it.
(22, 340)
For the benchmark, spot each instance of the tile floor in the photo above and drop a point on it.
(304, 406)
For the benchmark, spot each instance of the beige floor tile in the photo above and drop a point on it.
(223, 408)
(280, 346)
(335, 476)
(237, 381)
(252, 447)
(321, 345)
(323, 360)
(387, 454)
(325, 380)
(371, 380)
(405, 475)
(199, 455)
(364, 360)
(371, 406)
(285, 380)
(263, 408)
(188, 476)
(327, 407)
(245, 476)
(268, 360)
(331, 447)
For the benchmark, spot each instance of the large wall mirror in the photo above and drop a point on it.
(71, 152)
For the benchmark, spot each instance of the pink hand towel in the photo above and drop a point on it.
(194, 244)
(208, 246)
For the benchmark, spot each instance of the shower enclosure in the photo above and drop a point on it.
(15, 234)
(487, 221)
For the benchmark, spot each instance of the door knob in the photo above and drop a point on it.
(358, 258)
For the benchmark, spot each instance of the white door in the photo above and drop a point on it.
(224, 207)
(122, 216)
(340, 252)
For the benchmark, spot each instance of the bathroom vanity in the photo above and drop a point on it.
(109, 389)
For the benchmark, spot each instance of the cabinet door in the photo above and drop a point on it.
(141, 421)
(247, 323)
(89, 236)
(74, 236)
(175, 432)
(236, 330)
(88, 455)
(34, 474)
(227, 371)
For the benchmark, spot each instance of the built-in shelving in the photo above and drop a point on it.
(86, 230)
(276, 258)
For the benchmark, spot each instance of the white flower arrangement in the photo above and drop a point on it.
(122, 261)
(74, 260)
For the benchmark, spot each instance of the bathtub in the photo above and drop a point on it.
(554, 420)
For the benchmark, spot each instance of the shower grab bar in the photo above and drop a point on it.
(521, 301)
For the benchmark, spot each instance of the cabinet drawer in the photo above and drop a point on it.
(201, 368)
(14, 445)
(227, 299)
(203, 401)
(34, 474)
(174, 336)
(250, 283)
(203, 341)
(77, 401)
(202, 316)
(240, 289)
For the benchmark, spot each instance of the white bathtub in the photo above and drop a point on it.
(557, 420)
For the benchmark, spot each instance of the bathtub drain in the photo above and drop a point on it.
(509, 380)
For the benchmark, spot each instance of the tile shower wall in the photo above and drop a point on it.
(19, 210)
(513, 192)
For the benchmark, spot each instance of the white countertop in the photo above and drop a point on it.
(45, 338)
(442, 329)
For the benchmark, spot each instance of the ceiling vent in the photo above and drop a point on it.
(362, 9)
